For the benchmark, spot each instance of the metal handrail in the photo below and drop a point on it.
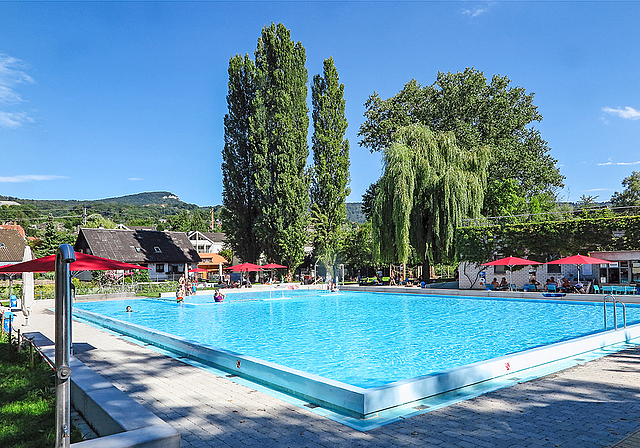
(624, 311)
(615, 316)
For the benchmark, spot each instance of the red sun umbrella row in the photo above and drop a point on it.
(250, 267)
(83, 262)
(578, 260)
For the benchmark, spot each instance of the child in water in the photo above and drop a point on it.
(180, 294)
(218, 296)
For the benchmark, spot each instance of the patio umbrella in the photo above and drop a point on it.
(198, 270)
(511, 262)
(84, 262)
(245, 267)
(273, 266)
(579, 260)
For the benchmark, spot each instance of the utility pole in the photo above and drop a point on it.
(84, 217)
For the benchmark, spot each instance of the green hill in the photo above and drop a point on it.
(354, 212)
(146, 199)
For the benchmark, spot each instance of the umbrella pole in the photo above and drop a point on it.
(64, 257)
(578, 266)
(510, 276)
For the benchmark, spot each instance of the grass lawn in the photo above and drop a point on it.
(27, 401)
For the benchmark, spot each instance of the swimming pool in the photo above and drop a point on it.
(363, 352)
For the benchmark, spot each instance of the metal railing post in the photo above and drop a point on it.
(64, 256)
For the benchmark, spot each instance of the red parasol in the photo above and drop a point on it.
(198, 270)
(579, 260)
(84, 262)
(273, 266)
(511, 262)
(245, 267)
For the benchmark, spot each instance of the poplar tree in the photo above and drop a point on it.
(241, 210)
(330, 171)
(279, 123)
(428, 186)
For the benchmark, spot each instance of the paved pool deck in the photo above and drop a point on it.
(596, 404)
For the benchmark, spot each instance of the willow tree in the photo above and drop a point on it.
(428, 186)
(240, 211)
(330, 171)
(479, 112)
(279, 127)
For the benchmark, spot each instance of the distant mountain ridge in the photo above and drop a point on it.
(140, 199)
(166, 201)
(147, 198)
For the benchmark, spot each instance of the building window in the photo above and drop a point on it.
(554, 269)
(160, 268)
(499, 270)
(157, 249)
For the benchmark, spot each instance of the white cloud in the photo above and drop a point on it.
(628, 112)
(30, 177)
(597, 189)
(135, 178)
(475, 12)
(610, 162)
(12, 73)
(13, 119)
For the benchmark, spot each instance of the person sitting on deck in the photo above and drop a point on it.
(551, 282)
(503, 284)
(495, 284)
(566, 285)
(533, 281)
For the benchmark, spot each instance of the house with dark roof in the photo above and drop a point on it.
(207, 242)
(12, 245)
(168, 254)
(125, 227)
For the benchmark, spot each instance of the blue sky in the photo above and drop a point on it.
(102, 99)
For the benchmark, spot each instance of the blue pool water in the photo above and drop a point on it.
(366, 339)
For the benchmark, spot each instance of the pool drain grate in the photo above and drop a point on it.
(421, 407)
(312, 405)
(232, 376)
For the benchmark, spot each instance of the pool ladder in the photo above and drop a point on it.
(615, 317)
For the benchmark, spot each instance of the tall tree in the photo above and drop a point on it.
(479, 113)
(51, 239)
(630, 196)
(278, 133)
(198, 222)
(180, 222)
(330, 171)
(428, 186)
(241, 211)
